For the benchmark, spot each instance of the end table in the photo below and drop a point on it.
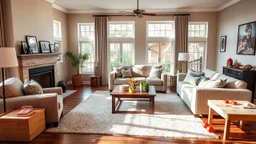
(95, 81)
(173, 82)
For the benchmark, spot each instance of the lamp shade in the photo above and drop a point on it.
(8, 57)
(183, 57)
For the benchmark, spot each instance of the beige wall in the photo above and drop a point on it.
(62, 67)
(33, 17)
(229, 19)
(140, 33)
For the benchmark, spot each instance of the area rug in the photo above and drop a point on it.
(172, 118)
(68, 93)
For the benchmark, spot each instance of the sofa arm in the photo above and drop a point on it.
(181, 76)
(202, 95)
(47, 101)
(164, 77)
(57, 90)
(111, 78)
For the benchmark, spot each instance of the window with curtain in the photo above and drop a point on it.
(121, 43)
(197, 42)
(86, 45)
(160, 44)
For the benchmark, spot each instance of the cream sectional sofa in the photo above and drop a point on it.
(196, 98)
(140, 73)
(51, 100)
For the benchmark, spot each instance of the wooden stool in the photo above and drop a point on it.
(95, 81)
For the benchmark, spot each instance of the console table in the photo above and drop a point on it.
(249, 76)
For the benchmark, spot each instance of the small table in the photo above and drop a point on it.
(95, 81)
(173, 82)
(26, 128)
(116, 93)
(230, 113)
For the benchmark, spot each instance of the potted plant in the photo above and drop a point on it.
(77, 62)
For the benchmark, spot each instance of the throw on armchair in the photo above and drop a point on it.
(51, 100)
(142, 73)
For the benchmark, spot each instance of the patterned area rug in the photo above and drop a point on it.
(172, 118)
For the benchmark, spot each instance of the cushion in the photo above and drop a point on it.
(138, 70)
(154, 81)
(155, 72)
(118, 71)
(213, 83)
(209, 73)
(32, 88)
(192, 77)
(140, 79)
(233, 82)
(120, 81)
(126, 73)
(13, 87)
(215, 76)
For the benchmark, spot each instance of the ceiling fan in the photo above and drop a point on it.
(140, 12)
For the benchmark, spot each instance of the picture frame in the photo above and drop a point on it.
(223, 43)
(57, 46)
(24, 47)
(32, 44)
(246, 39)
(45, 46)
(53, 50)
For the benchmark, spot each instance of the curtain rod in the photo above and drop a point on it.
(135, 15)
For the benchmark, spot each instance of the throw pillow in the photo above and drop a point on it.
(202, 79)
(192, 77)
(118, 71)
(126, 73)
(32, 88)
(155, 73)
(213, 83)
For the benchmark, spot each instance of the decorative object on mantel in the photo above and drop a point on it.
(53, 50)
(223, 43)
(77, 62)
(57, 49)
(24, 48)
(229, 62)
(246, 39)
(8, 59)
(45, 46)
(32, 44)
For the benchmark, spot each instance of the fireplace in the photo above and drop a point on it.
(43, 75)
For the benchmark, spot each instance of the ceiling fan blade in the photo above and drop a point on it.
(149, 14)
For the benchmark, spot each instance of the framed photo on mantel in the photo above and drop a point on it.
(32, 44)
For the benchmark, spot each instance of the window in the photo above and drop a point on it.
(86, 45)
(121, 30)
(121, 43)
(57, 30)
(197, 44)
(160, 41)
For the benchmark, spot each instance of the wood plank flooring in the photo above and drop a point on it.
(247, 135)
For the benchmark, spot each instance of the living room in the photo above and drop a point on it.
(164, 51)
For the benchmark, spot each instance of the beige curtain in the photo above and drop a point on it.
(2, 40)
(101, 48)
(181, 38)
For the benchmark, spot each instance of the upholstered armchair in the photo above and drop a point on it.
(51, 100)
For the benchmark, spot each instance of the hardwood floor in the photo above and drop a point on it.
(247, 135)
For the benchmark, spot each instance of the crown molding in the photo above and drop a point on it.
(228, 4)
(130, 10)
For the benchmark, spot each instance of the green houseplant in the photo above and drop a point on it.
(77, 62)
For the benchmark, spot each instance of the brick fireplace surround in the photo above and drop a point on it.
(29, 61)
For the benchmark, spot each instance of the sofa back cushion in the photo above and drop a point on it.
(138, 70)
(233, 82)
(13, 88)
(148, 68)
(209, 73)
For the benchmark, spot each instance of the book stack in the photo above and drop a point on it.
(25, 111)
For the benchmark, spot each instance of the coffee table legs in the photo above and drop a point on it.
(226, 130)
(152, 105)
(210, 116)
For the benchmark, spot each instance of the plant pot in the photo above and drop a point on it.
(77, 80)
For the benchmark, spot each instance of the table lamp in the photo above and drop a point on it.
(8, 58)
(183, 57)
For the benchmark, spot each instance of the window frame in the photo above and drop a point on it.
(57, 38)
(84, 40)
(121, 22)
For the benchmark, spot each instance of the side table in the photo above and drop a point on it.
(22, 129)
(173, 82)
(95, 81)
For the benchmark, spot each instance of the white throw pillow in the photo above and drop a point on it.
(213, 83)
(155, 73)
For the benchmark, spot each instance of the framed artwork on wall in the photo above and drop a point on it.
(32, 44)
(223, 43)
(45, 46)
(246, 39)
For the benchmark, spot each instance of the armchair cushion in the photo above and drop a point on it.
(155, 73)
(154, 81)
(127, 73)
(32, 88)
(13, 88)
(118, 71)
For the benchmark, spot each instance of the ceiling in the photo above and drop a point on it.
(92, 6)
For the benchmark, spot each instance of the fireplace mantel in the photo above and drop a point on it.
(29, 61)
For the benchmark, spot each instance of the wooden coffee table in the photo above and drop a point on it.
(118, 94)
(230, 113)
